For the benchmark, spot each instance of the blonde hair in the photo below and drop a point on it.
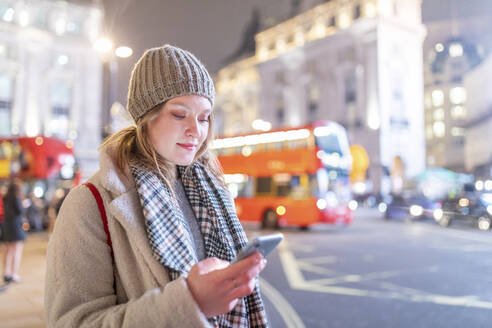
(133, 145)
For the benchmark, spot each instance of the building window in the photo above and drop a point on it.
(357, 12)
(437, 98)
(312, 101)
(428, 132)
(457, 132)
(438, 114)
(6, 93)
(61, 99)
(439, 129)
(427, 101)
(457, 95)
(351, 99)
(5, 117)
(280, 112)
(280, 116)
(458, 112)
(332, 22)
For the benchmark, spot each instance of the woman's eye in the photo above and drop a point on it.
(204, 120)
(180, 117)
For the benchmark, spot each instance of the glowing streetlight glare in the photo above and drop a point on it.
(455, 50)
(9, 15)
(60, 26)
(261, 125)
(439, 47)
(62, 60)
(24, 18)
(123, 52)
(103, 45)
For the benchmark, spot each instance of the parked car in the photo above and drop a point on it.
(409, 205)
(469, 207)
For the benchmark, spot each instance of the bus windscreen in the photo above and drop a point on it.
(329, 143)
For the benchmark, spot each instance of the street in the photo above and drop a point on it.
(374, 273)
(377, 273)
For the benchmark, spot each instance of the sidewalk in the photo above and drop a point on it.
(22, 304)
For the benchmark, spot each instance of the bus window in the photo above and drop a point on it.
(299, 187)
(245, 189)
(301, 143)
(263, 185)
(329, 143)
(291, 144)
(260, 147)
(239, 185)
(282, 183)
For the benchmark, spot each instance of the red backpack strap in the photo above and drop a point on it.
(104, 218)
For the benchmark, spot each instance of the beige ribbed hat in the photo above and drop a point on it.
(164, 73)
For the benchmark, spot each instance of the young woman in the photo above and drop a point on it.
(171, 220)
(13, 234)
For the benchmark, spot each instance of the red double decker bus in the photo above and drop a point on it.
(41, 162)
(291, 176)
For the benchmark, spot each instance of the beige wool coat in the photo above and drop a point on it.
(79, 278)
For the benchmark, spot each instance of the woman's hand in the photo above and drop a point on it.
(216, 285)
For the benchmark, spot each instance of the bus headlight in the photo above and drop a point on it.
(353, 205)
(416, 210)
(321, 204)
(281, 210)
(438, 213)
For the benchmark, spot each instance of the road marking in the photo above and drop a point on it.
(286, 311)
(314, 268)
(295, 278)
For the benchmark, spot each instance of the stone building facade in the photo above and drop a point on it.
(50, 75)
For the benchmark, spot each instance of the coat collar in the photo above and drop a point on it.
(124, 207)
(113, 179)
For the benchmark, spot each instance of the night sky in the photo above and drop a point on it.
(212, 29)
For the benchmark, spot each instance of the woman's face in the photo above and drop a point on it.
(180, 128)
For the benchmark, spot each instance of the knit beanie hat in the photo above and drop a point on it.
(164, 73)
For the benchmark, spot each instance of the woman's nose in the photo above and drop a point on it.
(192, 127)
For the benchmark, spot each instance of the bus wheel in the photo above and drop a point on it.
(270, 220)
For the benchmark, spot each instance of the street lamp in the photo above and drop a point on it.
(123, 52)
(110, 78)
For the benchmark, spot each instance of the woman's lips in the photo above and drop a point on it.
(187, 146)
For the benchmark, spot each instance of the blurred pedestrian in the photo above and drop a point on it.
(2, 218)
(55, 207)
(14, 234)
(31, 205)
(171, 220)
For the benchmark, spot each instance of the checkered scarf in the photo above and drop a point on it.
(170, 239)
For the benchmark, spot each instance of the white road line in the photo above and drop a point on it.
(286, 311)
(296, 280)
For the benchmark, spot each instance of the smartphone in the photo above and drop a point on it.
(263, 244)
